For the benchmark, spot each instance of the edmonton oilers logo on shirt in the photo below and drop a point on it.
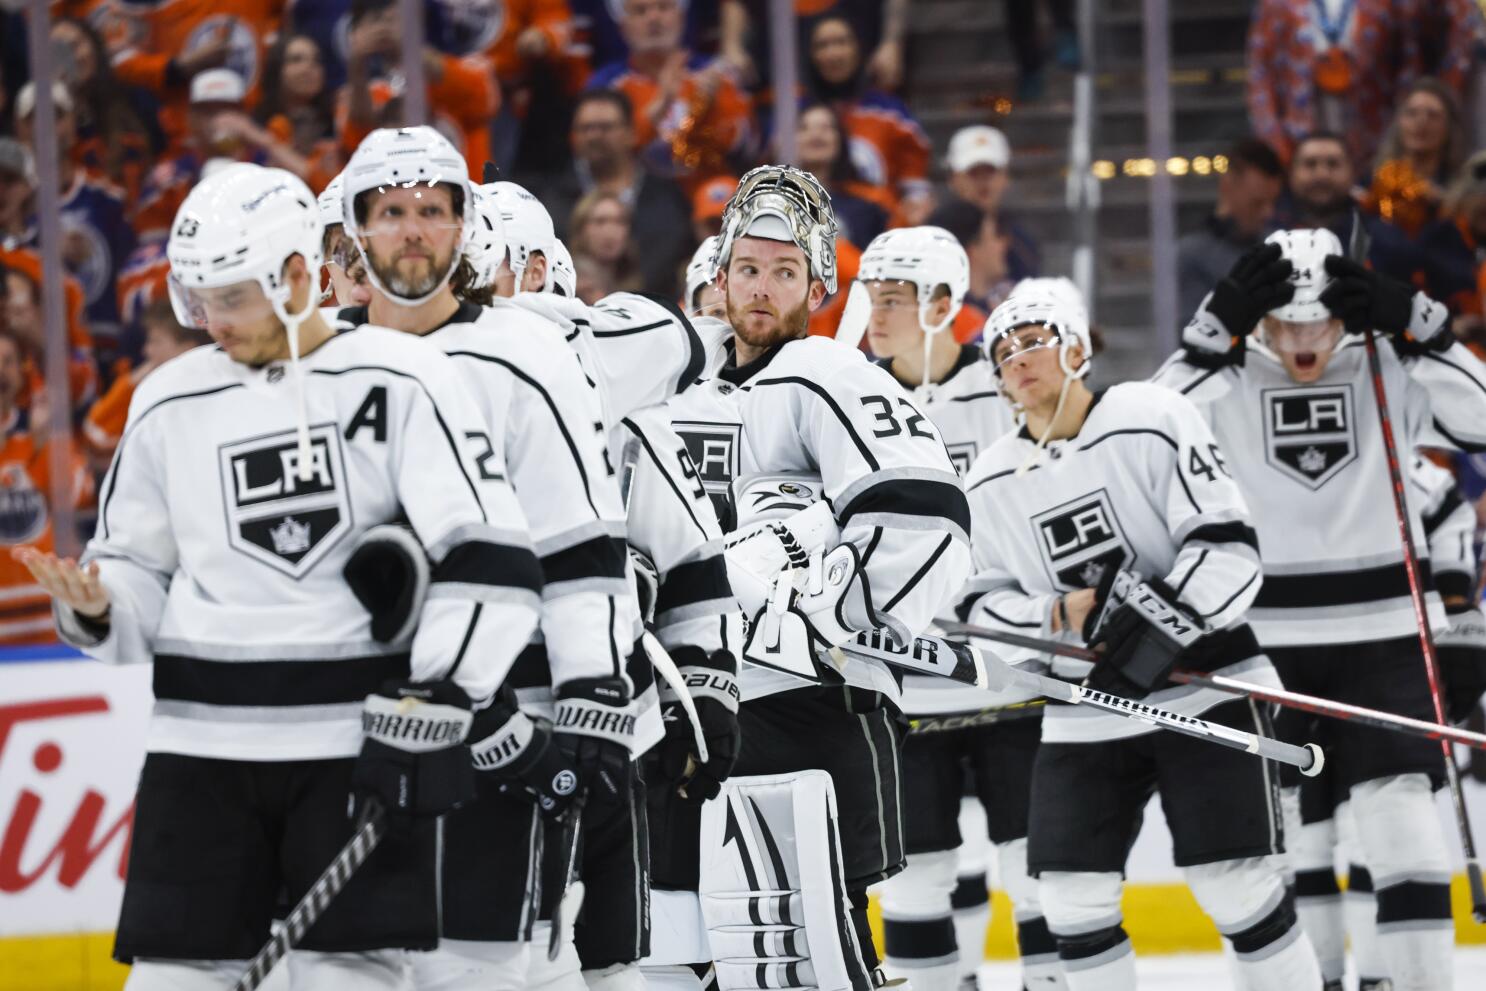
(1309, 433)
(23, 516)
(1080, 539)
(242, 56)
(274, 516)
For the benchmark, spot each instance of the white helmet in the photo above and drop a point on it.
(332, 205)
(1043, 305)
(1059, 286)
(1306, 250)
(562, 275)
(701, 270)
(528, 225)
(783, 203)
(406, 157)
(927, 257)
(242, 224)
(487, 247)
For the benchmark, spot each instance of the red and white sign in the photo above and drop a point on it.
(71, 744)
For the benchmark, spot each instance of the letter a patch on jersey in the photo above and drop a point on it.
(273, 515)
(1309, 433)
(1080, 539)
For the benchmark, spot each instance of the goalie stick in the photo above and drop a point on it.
(997, 673)
(369, 832)
(1278, 696)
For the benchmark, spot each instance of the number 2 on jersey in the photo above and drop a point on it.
(890, 426)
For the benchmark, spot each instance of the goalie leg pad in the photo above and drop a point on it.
(773, 892)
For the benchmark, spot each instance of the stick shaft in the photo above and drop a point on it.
(1421, 619)
(315, 901)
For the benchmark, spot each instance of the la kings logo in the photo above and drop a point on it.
(1309, 432)
(962, 453)
(717, 453)
(273, 515)
(1080, 539)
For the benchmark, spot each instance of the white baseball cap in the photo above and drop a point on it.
(25, 100)
(979, 144)
(218, 86)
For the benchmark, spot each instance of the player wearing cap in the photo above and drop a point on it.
(1275, 360)
(1125, 489)
(239, 545)
(813, 455)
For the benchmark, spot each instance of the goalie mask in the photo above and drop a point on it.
(781, 203)
(412, 158)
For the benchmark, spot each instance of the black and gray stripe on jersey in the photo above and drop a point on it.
(906, 498)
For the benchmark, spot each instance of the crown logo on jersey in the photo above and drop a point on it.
(1311, 461)
(1092, 574)
(290, 536)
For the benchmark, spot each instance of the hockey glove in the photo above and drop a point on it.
(388, 572)
(1258, 282)
(413, 756)
(1144, 630)
(714, 693)
(596, 733)
(1364, 300)
(1462, 648)
(517, 752)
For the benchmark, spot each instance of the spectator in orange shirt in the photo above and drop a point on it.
(708, 204)
(691, 120)
(26, 494)
(886, 144)
(862, 210)
(164, 339)
(463, 95)
(516, 35)
(297, 107)
(21, 295)
(112, 137)
(169, 42)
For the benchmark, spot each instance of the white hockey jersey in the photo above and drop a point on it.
(1310, 460)
(1143, 485)
(225, 568)
(817, 406)
(971, 414)
(1449, 523)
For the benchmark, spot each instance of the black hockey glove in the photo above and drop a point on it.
(596, 733)
(413, 756)
(1258, 282)
(1143, 630)
(714, 693)
(518, 753)
(388, 573)
(1364, 299)
(1462, 648)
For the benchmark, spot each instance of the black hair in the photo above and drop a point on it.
(619, 101)
(963, 219)
(1253, 153)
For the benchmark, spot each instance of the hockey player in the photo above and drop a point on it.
(343, 266)
(412, 215)
(1126, 487)
(270, 677)
(916, 278)
(702, 298)
(809, 423)
(1275, 359)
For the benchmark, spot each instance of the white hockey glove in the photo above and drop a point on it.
(1144, 630)
(1462, 649)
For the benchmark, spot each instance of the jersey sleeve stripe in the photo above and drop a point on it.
(1448, 505)
(1233, 532)
(1454, 584)
(696, 581)
(910, 503)
(1190, 572)
(480, 562)
(918, 575)
(274, 684)
(825, 397)
(546, 396)
(600, 557)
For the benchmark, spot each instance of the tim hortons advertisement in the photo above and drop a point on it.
(71, 744)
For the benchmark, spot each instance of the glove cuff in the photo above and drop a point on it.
(706, 683)
(1428, 323)
(502, 746)
(406, 722)
(598, 708)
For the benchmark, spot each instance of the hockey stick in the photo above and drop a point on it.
(571, 899)
(369, 832)
(1278, 696)
(1358, 252)
(660, 659)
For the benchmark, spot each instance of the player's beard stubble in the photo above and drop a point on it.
(411, 286)
(761, 332)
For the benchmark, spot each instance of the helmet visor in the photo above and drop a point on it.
(1023, 340)
(239, 304)
(1310, 336)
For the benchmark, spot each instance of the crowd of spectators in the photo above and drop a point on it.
(632, 119)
